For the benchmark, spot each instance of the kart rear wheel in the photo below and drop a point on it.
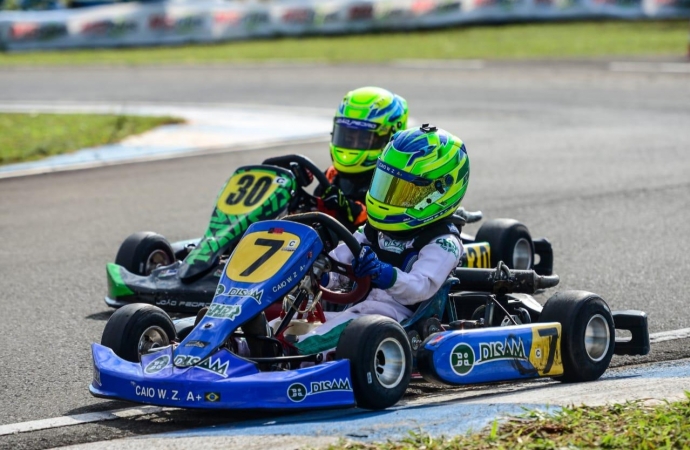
(144, 251)
(509, 241)
(587, 333)
(137, 329)
(380, 360)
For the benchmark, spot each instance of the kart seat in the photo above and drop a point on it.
(434, 306)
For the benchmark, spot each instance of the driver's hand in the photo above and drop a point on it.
(335, 200)
(383, 275)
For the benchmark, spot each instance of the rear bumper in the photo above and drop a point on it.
(242, 387)
(542, 248)
(636, 323)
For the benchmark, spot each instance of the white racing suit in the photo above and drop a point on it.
(426, 271)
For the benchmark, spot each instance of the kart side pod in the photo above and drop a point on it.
(492, 354)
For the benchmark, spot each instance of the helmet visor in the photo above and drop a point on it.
(357, 135)
(397, 188)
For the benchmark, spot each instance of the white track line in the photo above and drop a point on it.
(124, 413)
(78, 419)
(650, 67)
(669, 335)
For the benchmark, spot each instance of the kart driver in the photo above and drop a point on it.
(409, 245)
(363, 124)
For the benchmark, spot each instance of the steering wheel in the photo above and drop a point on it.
(302, 167)
(362, 285)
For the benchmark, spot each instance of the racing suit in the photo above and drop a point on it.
(423, 264)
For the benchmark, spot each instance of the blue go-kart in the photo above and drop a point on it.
(482, 326)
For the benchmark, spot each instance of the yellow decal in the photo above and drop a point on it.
(478, 255)
(245, 191)
(260, 255)
(545, 354)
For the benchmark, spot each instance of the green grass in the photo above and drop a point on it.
(546, 40)
(26, 137)
(628, 426)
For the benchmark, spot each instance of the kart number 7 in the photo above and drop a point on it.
(260, 255)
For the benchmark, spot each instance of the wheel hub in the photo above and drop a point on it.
(156, 259)
(390, 363)
(522, 255)
(597, 337)
(152, 338)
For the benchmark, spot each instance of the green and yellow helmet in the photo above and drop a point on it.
(421, 177)
(363, 125)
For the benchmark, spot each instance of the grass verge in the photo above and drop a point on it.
(27, 137)
(626, 426)
(543, 40)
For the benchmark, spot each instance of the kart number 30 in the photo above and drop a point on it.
(245, 191)
(261, 255)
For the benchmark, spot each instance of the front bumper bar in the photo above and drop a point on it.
(237, 385)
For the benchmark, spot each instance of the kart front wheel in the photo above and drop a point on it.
(144, 251)
(587, 333)
(380, 360)
(509, 241)
(136, 329)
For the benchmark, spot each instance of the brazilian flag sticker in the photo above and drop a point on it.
(212, 396)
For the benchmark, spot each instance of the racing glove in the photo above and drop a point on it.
(383, 275)
(335, 200)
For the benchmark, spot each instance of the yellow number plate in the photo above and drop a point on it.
(545, 355)
(261, 255)
(478, 255)
(247, 190)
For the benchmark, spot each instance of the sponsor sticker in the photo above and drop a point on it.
(198, 344)
(238, 292)
(511, 348)
(209, 364)
(229, 312)
(157, 364)
(291, 246)
(449, 246)
(297, 392)
(391, 245)
(462, 359)
(212, 397)
(354, 123)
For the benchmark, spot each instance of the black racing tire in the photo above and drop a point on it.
(380, 360)
(509, 241)
(588, 334)
(143, 251)
(137, 328)
(497, 319)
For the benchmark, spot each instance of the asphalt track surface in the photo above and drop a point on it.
(594, 160)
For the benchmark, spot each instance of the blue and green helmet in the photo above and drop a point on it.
(364, 123)
(421, 177)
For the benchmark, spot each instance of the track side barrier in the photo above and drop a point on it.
(169, 23)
